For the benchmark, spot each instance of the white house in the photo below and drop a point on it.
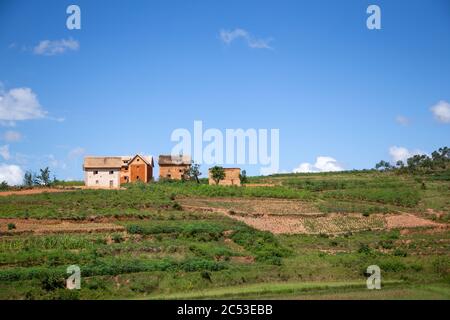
(102, 172)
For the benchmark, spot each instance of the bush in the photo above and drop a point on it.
(392, 266)
(177, 206)
(364, 249)
(441, 266)
(11, 226)
(52, 282)
(117, 237)
(206, 275)
(400, 253)
(135, 229)
(262, 244)
(386, 244)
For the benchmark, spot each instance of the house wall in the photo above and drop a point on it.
(174, 172)
(138, 172)
(102, 178)
(231, 177)
(124, 175)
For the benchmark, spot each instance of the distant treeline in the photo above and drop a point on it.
(419, 163)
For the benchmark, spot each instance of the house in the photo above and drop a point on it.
(102, 172)
(111, 172)
(232, 177)
(173, 167)
(137, 168)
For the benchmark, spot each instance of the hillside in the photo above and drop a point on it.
(283, 236)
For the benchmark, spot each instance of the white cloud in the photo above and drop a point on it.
(54, 47)
(12, 174)
(19, 104)
(76, 152)
(55, 163)
(228, 36)
(4, 152)
(323, 164)
(7, 123)
(12, 136)
(402, 153)
(404, 121)
(441, 111)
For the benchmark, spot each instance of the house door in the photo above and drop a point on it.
(111, 183)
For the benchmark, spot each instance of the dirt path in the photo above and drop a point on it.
(46, 226)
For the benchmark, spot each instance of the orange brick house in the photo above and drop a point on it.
(173, 167)
(137, 168)
(232, 177)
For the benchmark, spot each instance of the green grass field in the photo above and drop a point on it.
(166, 252)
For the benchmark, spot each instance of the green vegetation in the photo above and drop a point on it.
(200, 258)
(439, 161)
(217, 174)
(166, 251)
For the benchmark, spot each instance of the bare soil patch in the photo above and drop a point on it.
(256, 207)
(45, 226)
(297, 217)
(243, 260)
(407, 220)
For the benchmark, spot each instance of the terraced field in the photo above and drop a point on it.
(296, 237)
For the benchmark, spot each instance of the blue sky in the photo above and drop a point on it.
(137, 71)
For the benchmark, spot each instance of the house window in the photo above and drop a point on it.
(96, 181)
(111, 172)
(168, 176)
(137, 177)
(95, 172)
(180, 170)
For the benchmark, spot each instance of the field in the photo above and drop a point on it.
(302, 236)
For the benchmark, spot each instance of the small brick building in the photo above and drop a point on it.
(137, 168)
(232, 177)
(173, 167)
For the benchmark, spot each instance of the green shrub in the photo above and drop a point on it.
(117, 237)
(386, 244)
(441, 266)
(400, 253)
(177, 206)
(263, 245)
(364, 249)
(391, 266)
(52, 282)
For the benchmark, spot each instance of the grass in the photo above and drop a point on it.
(260, 290)
(169, 253)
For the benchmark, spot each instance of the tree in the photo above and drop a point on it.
(44, 177)
(36, 180)
(439, 160)
(243, 177)
(28, 179)
(217, 174)
(194, 172)
(4, 185)
(383, 165)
